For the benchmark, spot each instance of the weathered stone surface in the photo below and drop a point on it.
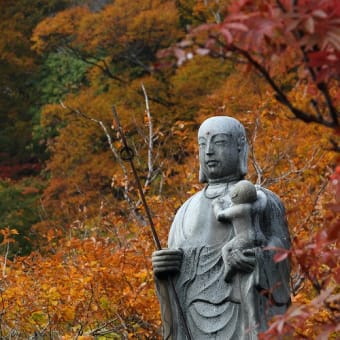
(224, 275)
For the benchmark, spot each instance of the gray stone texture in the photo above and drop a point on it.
(218, 257)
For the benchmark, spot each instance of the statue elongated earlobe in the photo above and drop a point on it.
(202, 177)
(244, 160)
(243, 155)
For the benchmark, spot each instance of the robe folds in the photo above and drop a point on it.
(214, 308)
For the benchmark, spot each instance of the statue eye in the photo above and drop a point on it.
(234, 194)
(220, 142)
(202, 145)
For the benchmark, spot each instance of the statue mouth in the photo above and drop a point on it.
(212, 163)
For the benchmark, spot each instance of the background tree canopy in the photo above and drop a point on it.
(75, 244)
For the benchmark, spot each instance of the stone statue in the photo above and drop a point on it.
(219, 249)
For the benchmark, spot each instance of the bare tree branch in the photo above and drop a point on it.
(320, 85)
(5, 260)
(104, 67)
(150, 140)
(282, 98)
(292, 171)
(258, 169)
(133, 206)
(332, 122)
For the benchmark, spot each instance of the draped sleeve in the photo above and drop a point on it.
(275, 277)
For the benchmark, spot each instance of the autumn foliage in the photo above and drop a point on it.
(75, 241)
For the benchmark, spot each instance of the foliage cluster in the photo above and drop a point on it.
(75, 242)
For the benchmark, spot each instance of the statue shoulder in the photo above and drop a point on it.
(176, 234)
(272, 197)
(274, 221)
(190, 201)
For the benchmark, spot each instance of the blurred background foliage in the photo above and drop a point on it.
(74, 233)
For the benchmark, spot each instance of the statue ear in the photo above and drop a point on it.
(244, 160)
(202, 177)
(243, 155)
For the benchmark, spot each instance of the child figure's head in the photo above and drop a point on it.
(243, 192)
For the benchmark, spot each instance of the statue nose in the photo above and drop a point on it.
(209, 149)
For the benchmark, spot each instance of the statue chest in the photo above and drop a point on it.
(200, 225)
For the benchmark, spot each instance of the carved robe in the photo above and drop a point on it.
(214, 308)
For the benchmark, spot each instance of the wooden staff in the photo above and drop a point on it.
(127, 154)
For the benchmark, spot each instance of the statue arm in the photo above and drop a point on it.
(168, 261)
(232, 212)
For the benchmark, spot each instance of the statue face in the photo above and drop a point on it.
(219, 149)
(219, 155)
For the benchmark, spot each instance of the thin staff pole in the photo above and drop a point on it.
(127, 154)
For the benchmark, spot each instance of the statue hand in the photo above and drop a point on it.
(242, 260)
(166, 261)
(218, 207)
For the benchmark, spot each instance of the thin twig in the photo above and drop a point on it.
(87, 59)
(292, 171)
(281, 96)
(316, 200)
(133, 206)
(106, 70)
(258, 169)
(150, 140)
(322, 87)
(5, 262)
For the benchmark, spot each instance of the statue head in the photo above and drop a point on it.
(223, 150)
(243, 192)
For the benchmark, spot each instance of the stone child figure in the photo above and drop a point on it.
(247, 235)
(245, 201)
(215, 287)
